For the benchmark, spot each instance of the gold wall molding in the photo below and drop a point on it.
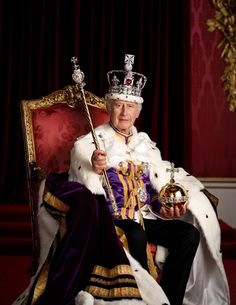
(225, 21)
(219, 182)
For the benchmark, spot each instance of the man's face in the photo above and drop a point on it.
(123, 115)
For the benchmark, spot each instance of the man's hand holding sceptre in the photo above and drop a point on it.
(99, 161)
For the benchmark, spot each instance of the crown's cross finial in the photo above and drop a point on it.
(129, 61)
(172, 171)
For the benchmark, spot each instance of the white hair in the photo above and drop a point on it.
(109, 102)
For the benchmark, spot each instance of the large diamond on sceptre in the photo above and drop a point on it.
(78, 75)
(173, 194)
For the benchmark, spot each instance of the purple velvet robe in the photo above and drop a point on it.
(89, 255)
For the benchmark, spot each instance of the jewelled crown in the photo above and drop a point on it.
(126, 85)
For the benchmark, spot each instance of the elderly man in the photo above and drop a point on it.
(129, 158)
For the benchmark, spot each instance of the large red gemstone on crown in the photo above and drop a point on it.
(128, 82)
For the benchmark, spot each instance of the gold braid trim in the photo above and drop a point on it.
(126, 286)
(42, 279)
(110, 273)
(122, 237)
(41, 282)
(62, 209)
(151, 265)
(114, 293)
(53, 201)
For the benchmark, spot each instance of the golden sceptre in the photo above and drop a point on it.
(78, 77)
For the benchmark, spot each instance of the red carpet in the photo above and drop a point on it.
(14, 277)
(15, 252)
(228, 238)
(230, 269)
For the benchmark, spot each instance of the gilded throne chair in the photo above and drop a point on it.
(50, 125)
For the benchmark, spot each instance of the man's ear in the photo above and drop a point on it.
(138, 112)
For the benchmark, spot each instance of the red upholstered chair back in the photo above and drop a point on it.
(55, 129)
(50, 125)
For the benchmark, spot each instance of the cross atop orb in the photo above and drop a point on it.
(172, 171)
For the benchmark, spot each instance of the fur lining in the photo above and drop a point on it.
(200, 211)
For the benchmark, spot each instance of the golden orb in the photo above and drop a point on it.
(173, 194)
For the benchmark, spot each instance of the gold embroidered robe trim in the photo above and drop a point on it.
(55, 202)
(130, 176)
(115, 283)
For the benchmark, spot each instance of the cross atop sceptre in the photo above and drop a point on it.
(75, 60)
(172, 171)
(78, 75)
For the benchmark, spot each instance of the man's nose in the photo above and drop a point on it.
(124, 109)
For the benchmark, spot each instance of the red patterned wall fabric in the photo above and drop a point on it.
(213, 125)
(56, 129)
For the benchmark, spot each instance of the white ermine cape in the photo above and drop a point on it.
(207, 284)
